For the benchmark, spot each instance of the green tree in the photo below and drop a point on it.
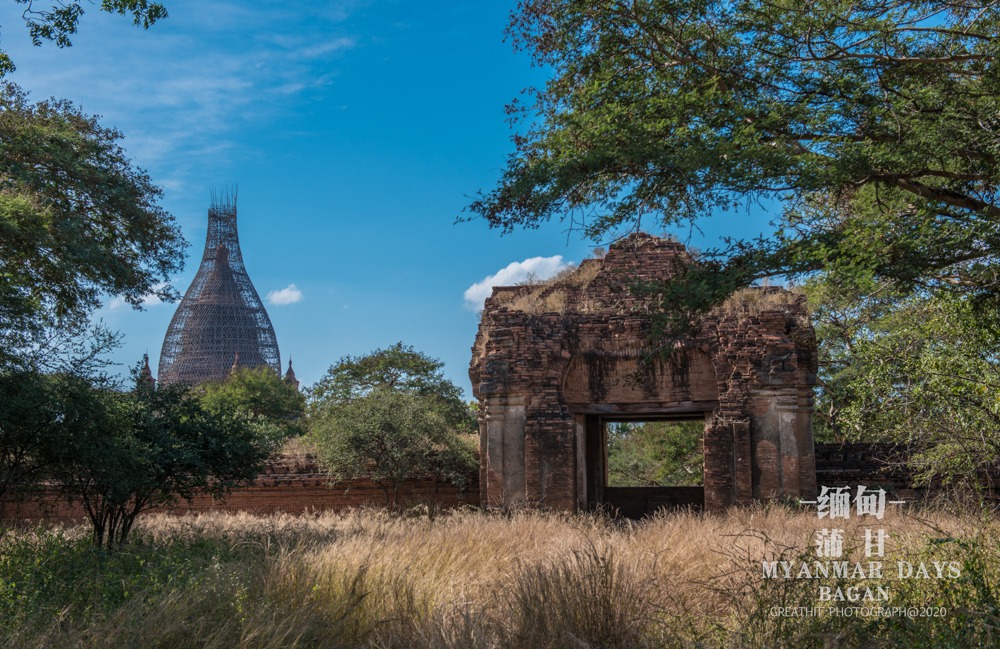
(396, 368)
(39, 414)
(848, 319)
(75, 346)
(919, 370)
(259, 392)
(390, 436)
(875, 123)
(45, 394)
(655, 454)
(146, 448)
(76, 219)
(60, 22)
(928, 378)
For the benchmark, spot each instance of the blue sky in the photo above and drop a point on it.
(357, 131)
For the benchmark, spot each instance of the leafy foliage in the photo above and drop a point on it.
(147, 448)
(76, 219)
(74, 346)
(46, 395)
(258, 392)
(390, 436)
(875, 123)
(918, 370)
(396, 368)
(931, 381)
(39, 415)
(847, 319)
(61, 21)
(655, 454)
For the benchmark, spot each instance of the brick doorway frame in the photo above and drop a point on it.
(593, 491)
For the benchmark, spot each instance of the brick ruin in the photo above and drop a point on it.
(291, 484)
(554, 362)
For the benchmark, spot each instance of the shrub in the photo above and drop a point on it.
(391, 436)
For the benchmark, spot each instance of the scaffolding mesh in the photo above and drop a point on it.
(221, 313)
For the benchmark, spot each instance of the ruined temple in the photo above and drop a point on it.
(554, 363)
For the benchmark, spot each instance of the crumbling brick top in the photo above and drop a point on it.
(589, 311)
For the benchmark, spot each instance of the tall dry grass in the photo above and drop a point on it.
(543, 296)
(528, 579)
(754, 300)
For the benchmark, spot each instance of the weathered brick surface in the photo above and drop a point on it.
(291, 484)
(748, 374)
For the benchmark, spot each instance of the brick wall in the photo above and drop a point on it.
(882, 465)
(292, 484)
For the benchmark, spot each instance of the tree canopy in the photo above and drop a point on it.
(397, 368)
(146, 448)
(259, 392)
(77, 220)
(39, 414)
(61, 21)
(916, 370)
(848, 321)
(390, 436)
(875, 124)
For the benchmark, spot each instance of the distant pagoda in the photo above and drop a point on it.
(221, 322)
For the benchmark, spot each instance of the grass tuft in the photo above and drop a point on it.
(754, 300)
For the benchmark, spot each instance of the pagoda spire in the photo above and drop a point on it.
(236, 364)
(146, 376)
(290, 375)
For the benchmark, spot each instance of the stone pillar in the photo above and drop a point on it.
(787, 406)
(781, 439)
(505, 475)
(484, 492)
(720, 464)
(580, 427)
(807, 450)
(742, 461)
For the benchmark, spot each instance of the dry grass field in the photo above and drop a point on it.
(469, 579)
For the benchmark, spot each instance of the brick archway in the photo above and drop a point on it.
(548, 357)
(605, 385)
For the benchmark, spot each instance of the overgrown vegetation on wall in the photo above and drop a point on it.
(551, 295)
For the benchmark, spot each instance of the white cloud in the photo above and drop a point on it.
(516, 271)
(288, 295)
(214, 67)
(318, 49)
